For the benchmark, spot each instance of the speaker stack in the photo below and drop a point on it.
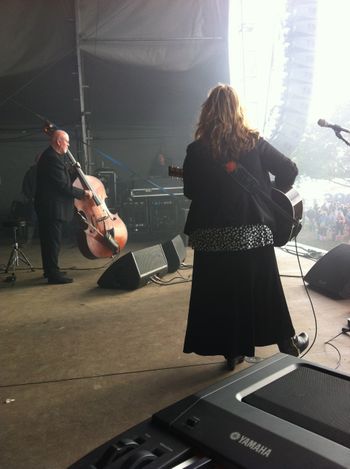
(135, 269)
(331, 274)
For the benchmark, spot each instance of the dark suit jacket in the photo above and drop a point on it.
(54, 191)
(217, 201)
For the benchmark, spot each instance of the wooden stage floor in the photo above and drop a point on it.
(80, 364)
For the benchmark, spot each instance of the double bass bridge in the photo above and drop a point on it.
(102, 218)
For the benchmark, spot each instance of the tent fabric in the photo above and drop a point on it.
(177, 55)
(34, 34)
(146, 68)
(171, 35)
(175, 35)
(166, 48)
(152, 19)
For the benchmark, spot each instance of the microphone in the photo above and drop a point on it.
(335, 127)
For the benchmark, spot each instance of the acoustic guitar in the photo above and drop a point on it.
(287, 207)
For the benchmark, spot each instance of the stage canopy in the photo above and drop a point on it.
(132, 74)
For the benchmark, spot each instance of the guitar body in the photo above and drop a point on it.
(290, 202)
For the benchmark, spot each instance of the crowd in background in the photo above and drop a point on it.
(330, 219)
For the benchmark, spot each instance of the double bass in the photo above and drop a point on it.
(101, 233)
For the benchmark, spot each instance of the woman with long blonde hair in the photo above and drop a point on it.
(237, 300)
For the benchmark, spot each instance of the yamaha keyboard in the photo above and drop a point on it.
(283, 412)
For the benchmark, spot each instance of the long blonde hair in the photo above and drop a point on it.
(223, 126)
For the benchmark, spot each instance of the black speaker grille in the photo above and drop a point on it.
(314, 400)
(150, 261)
(175, 253)
(134, 269)
(331, 274)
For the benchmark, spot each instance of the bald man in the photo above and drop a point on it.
(54, 199)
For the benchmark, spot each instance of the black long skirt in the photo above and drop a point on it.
(237, 302)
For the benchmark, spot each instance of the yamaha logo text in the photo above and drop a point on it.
(259, 448)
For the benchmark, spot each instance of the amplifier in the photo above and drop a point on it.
(283, 412)
(135, 215)
(163, 214)
(109, 180)
(157, 192)
(153, 215)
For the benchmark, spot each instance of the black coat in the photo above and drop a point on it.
(54, 191)
(217, 201)
(29, 183)
(237, 300)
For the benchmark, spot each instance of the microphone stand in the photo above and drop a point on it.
(339, 135)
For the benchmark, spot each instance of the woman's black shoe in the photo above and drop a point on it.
(233, 361)
(295, 345)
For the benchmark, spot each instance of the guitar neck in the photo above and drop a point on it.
(175, 171)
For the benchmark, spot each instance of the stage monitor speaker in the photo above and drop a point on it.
(175, 252)
(134, 269)
(331, 274)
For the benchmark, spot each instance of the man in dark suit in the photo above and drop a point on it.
(54, 203)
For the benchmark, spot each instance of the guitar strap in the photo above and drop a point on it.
(251, 185)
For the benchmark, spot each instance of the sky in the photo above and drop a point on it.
(257, 54)
(332, 58)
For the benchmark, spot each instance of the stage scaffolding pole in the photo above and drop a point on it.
(85, 134)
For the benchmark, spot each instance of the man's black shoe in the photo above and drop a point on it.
(295, 345)
(59, 280)
(61, 272)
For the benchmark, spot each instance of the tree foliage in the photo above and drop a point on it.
(320, 153)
